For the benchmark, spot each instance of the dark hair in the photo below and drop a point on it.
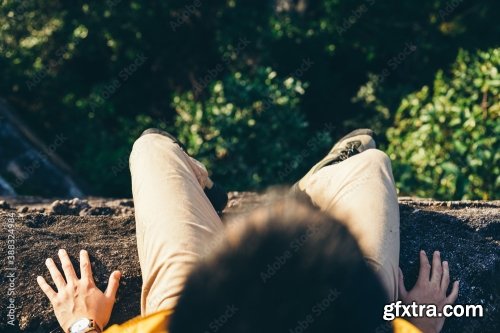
(287, 268)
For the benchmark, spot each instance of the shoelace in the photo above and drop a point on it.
(350, 150)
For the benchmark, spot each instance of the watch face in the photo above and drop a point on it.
(80, 325)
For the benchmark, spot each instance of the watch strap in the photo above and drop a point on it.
(91, 327)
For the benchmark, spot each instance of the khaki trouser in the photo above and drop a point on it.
(177, 225)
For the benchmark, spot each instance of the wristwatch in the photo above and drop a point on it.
(83, 325)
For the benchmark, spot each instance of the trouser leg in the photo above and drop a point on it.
(360, 192)
(175, 222)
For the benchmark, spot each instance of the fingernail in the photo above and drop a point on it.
(422, 251)
(437, 253)
(445, 263)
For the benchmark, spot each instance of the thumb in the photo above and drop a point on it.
(113, 284)
(403, 293)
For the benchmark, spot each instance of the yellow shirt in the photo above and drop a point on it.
(158, 322)
(403, 326)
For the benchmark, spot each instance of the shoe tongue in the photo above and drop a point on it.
(353, 144)
(350, 149)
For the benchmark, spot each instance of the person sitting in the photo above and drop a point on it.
(324, 258)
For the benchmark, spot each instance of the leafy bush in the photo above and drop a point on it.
(100, 72)
(249, 131)
(445, 142)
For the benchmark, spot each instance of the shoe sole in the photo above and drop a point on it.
(164, 133)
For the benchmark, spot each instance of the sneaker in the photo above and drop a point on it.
(215, 193)
(352, 144)
(164, 133)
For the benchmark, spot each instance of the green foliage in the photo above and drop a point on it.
(249, 130)
(100, 72)
(445, 142)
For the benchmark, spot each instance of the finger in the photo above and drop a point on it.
(445, 281)
(403, 293)
(85, 267)
(452, 297)
(55, 274)
(437, 268)
(113, 284)
(425, 268)
(67, 266)
(47, 290)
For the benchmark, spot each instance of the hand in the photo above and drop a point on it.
(430, 289)
(200, 171)
(78, 298)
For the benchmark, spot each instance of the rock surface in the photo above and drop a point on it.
(466, 233)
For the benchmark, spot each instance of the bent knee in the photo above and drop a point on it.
(151, 143)
(375, 157)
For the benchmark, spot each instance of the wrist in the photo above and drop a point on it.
(84, 325)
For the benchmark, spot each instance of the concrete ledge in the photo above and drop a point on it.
(466, 232)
